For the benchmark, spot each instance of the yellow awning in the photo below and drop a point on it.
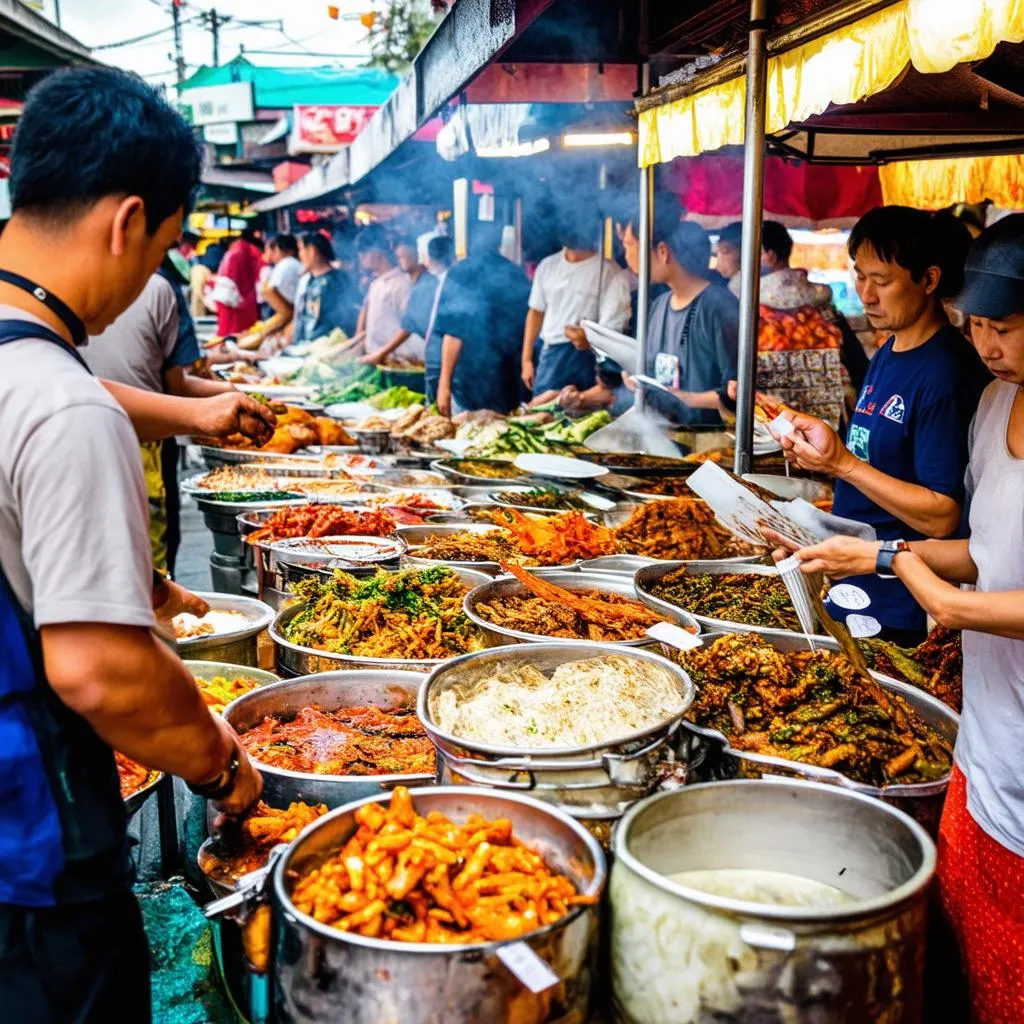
(842, 67)
(935, 184)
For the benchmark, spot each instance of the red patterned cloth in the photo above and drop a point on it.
(981, 885)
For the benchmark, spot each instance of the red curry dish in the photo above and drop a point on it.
(349, 741)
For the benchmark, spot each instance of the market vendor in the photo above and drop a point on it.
(901, 470)
(981, 840)
(480, 318)
(102, 172)
(569, 286)
(693, 327)
(325, 296)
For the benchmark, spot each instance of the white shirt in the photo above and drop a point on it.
(386, 299)
(991, 737)
(74, 518)
(567, 293)
(284, 278)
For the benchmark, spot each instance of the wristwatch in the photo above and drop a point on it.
(223, 782)
(886, 553)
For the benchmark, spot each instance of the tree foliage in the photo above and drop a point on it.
(399, 33)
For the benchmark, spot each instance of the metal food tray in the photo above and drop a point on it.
(448, 467)
(682, 468)
(417, 535)
(295, 660)
(650, 576)
(303, 551)
(506, 586)
(922, 800)
(133, 803)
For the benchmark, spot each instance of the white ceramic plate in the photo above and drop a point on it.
(561, 467)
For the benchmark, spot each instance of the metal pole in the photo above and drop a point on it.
(179, 56)
(56, 12)
(753, 210)
(644, 227)
(215, 32)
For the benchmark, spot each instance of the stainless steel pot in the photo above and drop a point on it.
(650, 576)
(415, 536)
(683, 956)
(599, 781)
(321, 975)
(331, 691)
(237, 647)
(294, 660)
(922, 800)
(220, 519)
(506, 586)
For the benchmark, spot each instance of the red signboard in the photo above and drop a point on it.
(326, 128)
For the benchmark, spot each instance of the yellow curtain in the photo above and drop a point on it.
(934, 184)
(854, 62)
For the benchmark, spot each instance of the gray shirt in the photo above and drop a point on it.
(692, 349)
(74, 541)
(137, 347)
(991, 735)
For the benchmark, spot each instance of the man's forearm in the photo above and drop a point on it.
(534, 322)
(396, 342)
(451, 348)
(202, 387)
(950, 559)
(1001, 614)
(154, 417)
(925, 510)
(698, 399)
(137, 695)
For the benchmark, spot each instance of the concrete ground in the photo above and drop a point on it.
(192, 570)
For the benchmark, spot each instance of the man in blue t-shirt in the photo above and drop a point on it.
(902, 468)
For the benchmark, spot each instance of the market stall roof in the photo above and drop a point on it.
(239, 179)
(281, 88)
(860, 82)
(37, 40)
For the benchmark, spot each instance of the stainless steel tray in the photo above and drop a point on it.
(506, 586)
(450, 468)
(652, 575)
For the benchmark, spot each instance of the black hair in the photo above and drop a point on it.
(485, 237)
(440, 249)
(86, 133)
(915, 240)
(775, 238)
(408, 241)
(579, 226)
(732, 234)
(253, 236)
(286, 243)
(373, 238)
(189, 237)
(688, 242)
(314, 240)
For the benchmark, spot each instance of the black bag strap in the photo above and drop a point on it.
(71, 320)
(18, 330)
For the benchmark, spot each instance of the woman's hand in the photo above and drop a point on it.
(836, 557)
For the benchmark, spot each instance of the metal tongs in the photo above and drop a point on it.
(250, 891)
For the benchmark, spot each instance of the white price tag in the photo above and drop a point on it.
(847, 596)
(531, 971)
(863, 625)
(674, 636)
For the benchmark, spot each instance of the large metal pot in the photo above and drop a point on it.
(592, 782)
(237, 647)
(330, 691)
(506, 586)
(294, 660)
(922, 800)
(220, 519)
(322, 975)
(414, 536)
(650, 576)
(683, 956)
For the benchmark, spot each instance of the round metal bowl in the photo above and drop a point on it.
(372, 442)
(237, 647)
(598, 781)
(415, 536)
(413, 478)
(213, 669)
(650, 576)
(921, 800)
(330, 691)
(294, 660)
(685, 955)
(506, 586)
(134, 801)
(323, 974)
(450, 468)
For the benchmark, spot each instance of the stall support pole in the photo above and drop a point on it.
(644, 227)
(753, 207)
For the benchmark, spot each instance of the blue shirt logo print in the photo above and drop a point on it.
(858, 441)
(894, 409)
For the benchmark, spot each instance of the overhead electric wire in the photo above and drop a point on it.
(138, 39)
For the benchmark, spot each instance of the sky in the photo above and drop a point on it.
(307, 30)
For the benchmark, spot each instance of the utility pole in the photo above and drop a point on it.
(56, 11)
(179, 55)
(215, 32)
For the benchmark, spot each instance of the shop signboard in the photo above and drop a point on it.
(326, 128)
(219, 104)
